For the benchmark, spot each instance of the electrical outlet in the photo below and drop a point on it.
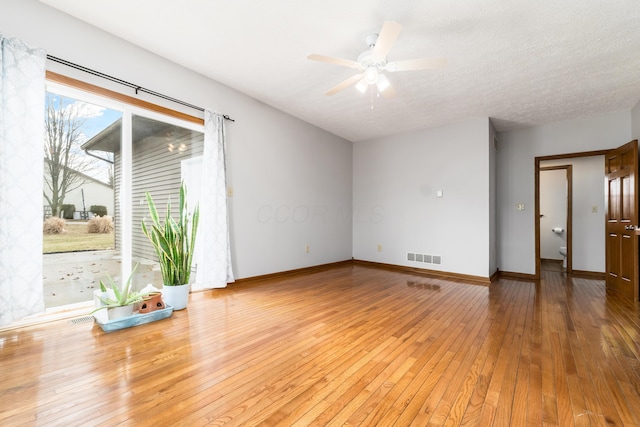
(594, 209)
(379, 248)
(520, 207)
(306, 249)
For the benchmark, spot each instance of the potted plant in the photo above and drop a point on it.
(173, 241)
(117, 302)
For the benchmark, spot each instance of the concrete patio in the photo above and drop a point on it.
(72, 277)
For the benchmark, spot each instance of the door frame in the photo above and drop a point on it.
(538, 160)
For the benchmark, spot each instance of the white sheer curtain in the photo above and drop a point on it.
(214, 266)
(22, 90)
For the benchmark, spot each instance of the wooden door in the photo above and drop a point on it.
(621, 195)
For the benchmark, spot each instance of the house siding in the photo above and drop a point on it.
(156, 169)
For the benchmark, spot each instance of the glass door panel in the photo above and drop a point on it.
(78, 201)
(161, 150)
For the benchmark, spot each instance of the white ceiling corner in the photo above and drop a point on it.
(521, 63)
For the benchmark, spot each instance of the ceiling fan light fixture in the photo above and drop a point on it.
(362, 85)
(371, 75)
(382, 83)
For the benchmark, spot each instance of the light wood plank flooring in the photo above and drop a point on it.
(350, 345)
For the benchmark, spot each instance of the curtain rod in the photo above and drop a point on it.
(137, 88)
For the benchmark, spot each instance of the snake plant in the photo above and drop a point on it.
(173, 240)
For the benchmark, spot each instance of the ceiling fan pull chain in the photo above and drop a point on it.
(372, 97)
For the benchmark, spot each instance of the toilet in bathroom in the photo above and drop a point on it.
(563, 252)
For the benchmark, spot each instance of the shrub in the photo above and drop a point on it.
(53, 225)
(98, 210)
(67, 211)
(100, 224)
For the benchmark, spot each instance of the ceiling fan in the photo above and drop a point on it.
(372, 63)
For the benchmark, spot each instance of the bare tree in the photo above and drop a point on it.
(65, 166)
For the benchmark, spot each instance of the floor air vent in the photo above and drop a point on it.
(424, 258)
(79, 320)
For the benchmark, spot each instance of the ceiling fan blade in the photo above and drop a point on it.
(387, 37)
(333, 60)
(345, 84)
(416, 64)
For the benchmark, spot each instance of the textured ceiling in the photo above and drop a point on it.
(519, 62)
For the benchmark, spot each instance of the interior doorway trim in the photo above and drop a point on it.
(536, 221)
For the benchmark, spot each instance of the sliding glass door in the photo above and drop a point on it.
(120, 152)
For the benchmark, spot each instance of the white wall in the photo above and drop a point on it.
(288, 194)
(553, 205)
(517, 151)
(395, 182)
(588, 226)
(274, 160)
(635, 122)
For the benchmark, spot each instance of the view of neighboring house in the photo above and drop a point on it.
(88, 192)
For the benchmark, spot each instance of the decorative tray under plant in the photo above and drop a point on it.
(134, 320)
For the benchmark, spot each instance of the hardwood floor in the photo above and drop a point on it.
(351, 345)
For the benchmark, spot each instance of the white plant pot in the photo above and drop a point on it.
(101, 315)
(120, 312)
(176, 296)
(106, 314)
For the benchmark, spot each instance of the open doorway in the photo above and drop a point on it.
(585, 229)
(556, 196)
